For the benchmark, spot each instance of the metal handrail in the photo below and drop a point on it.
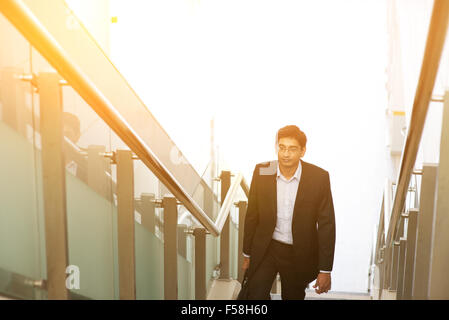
(245, 187)
(29, 26)
(24, 20)
(387, 204)
(434, 47)
(228, 202)
(380, 232)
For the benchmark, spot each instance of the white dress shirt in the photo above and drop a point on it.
(286, 190)
(286, 195)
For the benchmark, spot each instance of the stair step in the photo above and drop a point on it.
(331, 295)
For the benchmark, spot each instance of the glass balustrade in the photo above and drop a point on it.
(90, 177)
(84, 50)
(22, 247)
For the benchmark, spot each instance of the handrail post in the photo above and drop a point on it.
(439, 265)
(380, 239)
(401, 268)
(54, 186)
(410, 254)
(398, 273)
(170, 248)
(379, 258)
(225, 178)
(242, 205)
(394, 268)
(125, 223)
(386, 271)
(381, 272)
(200, 263)
(425, 223)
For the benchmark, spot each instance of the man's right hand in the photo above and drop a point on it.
(245, 264)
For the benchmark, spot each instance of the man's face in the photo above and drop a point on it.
(289, 152)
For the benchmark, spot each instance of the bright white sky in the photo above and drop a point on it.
(259, 65)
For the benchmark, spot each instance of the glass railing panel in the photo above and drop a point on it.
(90, 235)
(233, 242)
(89, 186)
(186, 279)
(86, 139)
(418, 183)
(19, 209)
(149, 265)
(22, 250)
(429, 146)
(82, 48)
(209, 174)
(149, 245)
(115, 249)
(205, 192)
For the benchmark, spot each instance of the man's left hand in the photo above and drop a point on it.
(323, 283)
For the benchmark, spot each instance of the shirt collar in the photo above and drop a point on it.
(295, 176)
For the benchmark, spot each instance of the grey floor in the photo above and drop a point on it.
(332, 295)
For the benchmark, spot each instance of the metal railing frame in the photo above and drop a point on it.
(391, 213)
(432, 54)
(24, 21)
(28, 25)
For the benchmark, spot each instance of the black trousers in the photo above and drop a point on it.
(278, 258)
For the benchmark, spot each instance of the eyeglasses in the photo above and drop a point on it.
(289, 149)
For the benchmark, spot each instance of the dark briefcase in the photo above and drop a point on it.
(243, 294)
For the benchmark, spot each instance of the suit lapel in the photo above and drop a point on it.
(268, 187)
(272, 186)
(302, 187)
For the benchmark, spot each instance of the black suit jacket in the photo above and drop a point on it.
(313, 224)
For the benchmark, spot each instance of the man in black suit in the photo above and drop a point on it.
(290, 225)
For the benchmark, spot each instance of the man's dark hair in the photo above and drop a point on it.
(292, 131)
